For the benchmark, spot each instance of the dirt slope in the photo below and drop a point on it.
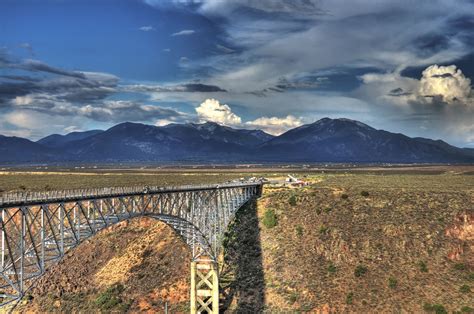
(135, 265)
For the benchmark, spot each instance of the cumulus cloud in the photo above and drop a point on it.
(440, 103)
(184, 32)
(147, 28)
(212, 110)
(447, 82)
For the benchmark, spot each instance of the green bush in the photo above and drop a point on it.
(270, 218)
(360, 270)
(332, 268)
(392, 283)
(465, 289)
(470, 276)
(459, 266)
(327, 209)
(436, 308)
(299, 231)
(293, 297)
(423, 267)
(323, 229)
(349, 298)
(364, 193)
(110, 298)
(292, 200)
(467, 309)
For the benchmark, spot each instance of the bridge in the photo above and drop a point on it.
(38, 228)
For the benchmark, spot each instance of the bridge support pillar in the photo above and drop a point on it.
(204, 287)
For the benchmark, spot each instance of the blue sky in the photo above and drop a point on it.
(403, 66)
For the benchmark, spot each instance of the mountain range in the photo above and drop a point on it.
(326, 140)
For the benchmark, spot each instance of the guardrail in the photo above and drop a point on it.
(32, 198)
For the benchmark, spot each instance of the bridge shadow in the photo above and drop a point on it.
(242, 276)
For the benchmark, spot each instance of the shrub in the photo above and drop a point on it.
(270, 218)
(299, 231)
(318, 210)
(465, 289)
(349, 298)
(470, 276)
(327, 209)
(344, 196)
(323, 229)
(364, 193)
(392, 283)
(459, 266)
(467, 309)
(292, 200)
(293, 297)
(436, 308)
(423, 267)
(110, 297)
(360, 270)
(332, 268)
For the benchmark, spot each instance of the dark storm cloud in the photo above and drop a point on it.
(119, 111)
(31, 65)
(9, 91)
(60, 84)
(187, 88)
(398, 92)
(19, 78)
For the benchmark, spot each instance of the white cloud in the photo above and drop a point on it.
(447, 82)
(212, 110)
(184, 32)
(275, 125)
(163, 122)
(440, 104)
(23, 100)
(147, 28)
(23, 119)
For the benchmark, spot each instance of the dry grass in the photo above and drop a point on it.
(399, 242)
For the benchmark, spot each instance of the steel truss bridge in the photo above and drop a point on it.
(38, 228)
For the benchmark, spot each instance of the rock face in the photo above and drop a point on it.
(326, 140)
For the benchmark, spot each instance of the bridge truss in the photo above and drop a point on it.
(38, 228)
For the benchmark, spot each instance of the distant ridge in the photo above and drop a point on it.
(56, 140)
(326, 140)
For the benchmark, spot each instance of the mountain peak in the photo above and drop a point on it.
(325, 140)
(345, 121)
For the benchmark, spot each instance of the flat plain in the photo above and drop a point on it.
(365, 240)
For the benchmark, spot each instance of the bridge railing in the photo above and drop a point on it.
(29, 198)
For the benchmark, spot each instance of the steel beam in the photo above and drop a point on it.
(38, 228)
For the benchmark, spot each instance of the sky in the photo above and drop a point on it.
(74, 65)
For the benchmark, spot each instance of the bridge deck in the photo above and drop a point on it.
(35, 198)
